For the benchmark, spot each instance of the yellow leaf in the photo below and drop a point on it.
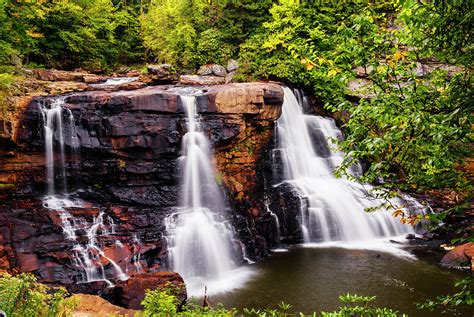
(333, 72)
(34, 34)
(399, 55)
(398, 212)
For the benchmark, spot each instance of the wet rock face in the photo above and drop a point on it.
(461, 256)
(131, 292)
(32, 240)
(128, 168)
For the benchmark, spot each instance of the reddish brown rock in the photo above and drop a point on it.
(120, 254)
(130, 146)
(460, 256)
(59, 75)
(96, 306)
(28, 262)
(131, 292)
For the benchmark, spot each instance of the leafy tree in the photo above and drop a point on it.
(189, 33)
(169, 30)
(77, 33)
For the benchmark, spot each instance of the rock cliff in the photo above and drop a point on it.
(127, 170)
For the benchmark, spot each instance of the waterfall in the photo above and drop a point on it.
(199, 237)
(55, 129)
(87, 251)
(332, 209)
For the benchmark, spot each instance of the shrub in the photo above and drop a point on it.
(21, 296)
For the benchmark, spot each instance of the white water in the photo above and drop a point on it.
(87, 250)
(333, 209)
(86, 255)
(115, 81)
(53, 124)
(136, 258)
(199, 238)
(276, 223)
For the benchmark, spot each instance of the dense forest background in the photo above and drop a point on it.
(411, 119)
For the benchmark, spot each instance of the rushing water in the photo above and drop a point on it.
(333, 209)
(115, 81)
(87, 250)
(200, 240)
(311, 279)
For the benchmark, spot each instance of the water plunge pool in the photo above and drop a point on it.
(311, 279)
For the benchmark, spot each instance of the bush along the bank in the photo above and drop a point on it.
(164, 302)
(22, 296)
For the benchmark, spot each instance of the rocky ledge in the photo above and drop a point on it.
(126, 170)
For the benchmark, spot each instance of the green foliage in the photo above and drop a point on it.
(93, 34)
(6, 80)
(22, 296)
(164, 303)
(356, 305)
(465, 296)
(159, 303)
(189, 33)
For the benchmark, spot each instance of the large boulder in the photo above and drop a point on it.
(460, 256)
(232, 65)
(212, 69)
(131, 292)
(161, 74)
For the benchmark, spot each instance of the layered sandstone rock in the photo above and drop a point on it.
(130, 143)
(59, 75)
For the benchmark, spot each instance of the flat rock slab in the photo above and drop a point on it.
(96, 306)
(201, 80)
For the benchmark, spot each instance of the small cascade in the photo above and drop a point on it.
(115, 82)
(87, 256)
(332, 209)
(56, 130)
(136, 257)
(53, 124)
(199, 238)
(276, 223)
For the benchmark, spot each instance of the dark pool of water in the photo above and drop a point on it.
(311, 279)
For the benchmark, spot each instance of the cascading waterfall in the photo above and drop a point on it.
(199, 238)
(86, 256)
(89, 256)
(332, 209)
(53, 124)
